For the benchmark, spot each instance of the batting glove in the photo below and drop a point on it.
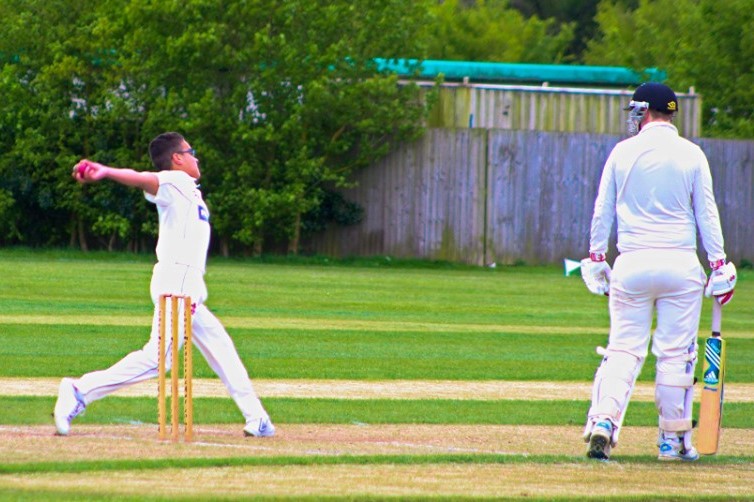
(721, 282)
(596, 274)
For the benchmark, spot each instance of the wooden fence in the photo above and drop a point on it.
(495, 196)
(545, 108)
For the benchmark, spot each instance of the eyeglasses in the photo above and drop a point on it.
(190, 150)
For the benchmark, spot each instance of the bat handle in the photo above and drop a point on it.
(717, 316)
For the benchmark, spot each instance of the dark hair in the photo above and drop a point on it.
(162, 148)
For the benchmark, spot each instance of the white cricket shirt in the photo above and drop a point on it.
(659, 186)
(184, 220)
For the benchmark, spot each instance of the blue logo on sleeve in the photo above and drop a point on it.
(203, 213)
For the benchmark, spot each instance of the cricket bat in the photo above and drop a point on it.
(713, 375)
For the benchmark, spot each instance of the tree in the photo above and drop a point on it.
(55, 110)
(282, 100)
(699, 43)
(491, 30)
(579, 12)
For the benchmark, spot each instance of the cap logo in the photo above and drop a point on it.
(672, 106)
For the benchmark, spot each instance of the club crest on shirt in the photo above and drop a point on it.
(203, 213)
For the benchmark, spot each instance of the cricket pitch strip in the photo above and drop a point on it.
(358, 460)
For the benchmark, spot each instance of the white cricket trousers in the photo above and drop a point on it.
(666, 280)
(670, 282)
(209, 337)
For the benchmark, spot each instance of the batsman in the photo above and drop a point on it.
(658, 187)
(182, 246)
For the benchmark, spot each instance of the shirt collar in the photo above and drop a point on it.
(659, 124)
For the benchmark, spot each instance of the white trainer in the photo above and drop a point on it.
(69, 406)
(673, 450)
(259, 427)
(599, 441)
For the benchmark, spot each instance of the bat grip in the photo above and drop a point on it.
(717, 316)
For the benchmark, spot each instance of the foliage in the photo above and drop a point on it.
(490, 30)
(51, 114)
(697, 42)
(580, 13)
(334, 207)
(281, 99)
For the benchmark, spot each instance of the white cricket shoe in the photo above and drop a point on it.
(673, 450)
(599, 441)
(259, 427)
(69, 406)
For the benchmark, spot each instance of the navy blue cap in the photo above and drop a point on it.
(659, 96)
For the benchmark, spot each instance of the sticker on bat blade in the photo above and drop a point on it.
(712, 351)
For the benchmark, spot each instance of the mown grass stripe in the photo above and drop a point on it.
(321, 324)
(55, 496)
(116, 410)
(345, 355)
(81, 466)
(309, 324)
(480, 390)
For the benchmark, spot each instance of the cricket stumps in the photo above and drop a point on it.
(180, 309)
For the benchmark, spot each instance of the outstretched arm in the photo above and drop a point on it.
(87, 171)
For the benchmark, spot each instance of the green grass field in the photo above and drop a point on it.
(65, 313)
